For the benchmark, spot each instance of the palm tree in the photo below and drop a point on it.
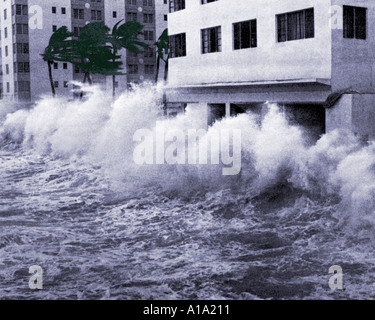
(125, 36)
(162, 46)
(58, 49)
(93, 55)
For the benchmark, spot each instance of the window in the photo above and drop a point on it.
(131, 16)
(56, 84)
(78, 14)
(295, 25)
(22, 48)
(65, 66)
(23, 86)
(22, 28)
(245, 34)
(148, 35)
(25, 10)
(5, 14)
(55, 65)
(26, 67)
(77, 31)
(25, 48)
(18, 9)
(23, 67)
(148, 18)
(53, 9)
(114, 14)
(165, 17)
(96, 15)
(6, 32)
(63, 10)
(149, 69)
(132, 54)
(147, 3)
(7, 68)
(176, 5)
(355, 22)
(54, 28)
(211, 40)
(133, 68)
(8, 87)
(132, 2)
(65, 84)
(149, 52)
(177, 45)
(6, 51)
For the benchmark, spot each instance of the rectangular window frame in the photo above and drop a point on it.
(211, 40)
(302, 21)
(352, 28)
(240, 39)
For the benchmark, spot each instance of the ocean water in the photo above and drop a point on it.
(73, 201)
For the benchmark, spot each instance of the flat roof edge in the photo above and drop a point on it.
(312, 81)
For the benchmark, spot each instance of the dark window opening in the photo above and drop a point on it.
(355, 22)
(295, 25)
(245, 34)
(177, 44)
(211, 40)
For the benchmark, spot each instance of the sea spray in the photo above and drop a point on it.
(101, 132)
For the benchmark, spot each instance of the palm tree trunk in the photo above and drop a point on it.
(87, 78)
(166, 71)
(157, 69)
(114, 76)
(113, 86)
(51, 78)
(165, 80)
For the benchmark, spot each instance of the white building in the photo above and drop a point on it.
(232, 56)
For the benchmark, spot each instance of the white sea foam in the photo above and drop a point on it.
(101, 131)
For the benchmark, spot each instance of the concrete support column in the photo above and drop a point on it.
(354, 112)
(227, 109)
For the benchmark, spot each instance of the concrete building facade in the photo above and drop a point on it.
(26, 26)
(229, 57)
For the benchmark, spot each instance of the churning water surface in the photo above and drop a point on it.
(73, 201)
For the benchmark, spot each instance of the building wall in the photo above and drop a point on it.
(353, 60)
(353, 112)
(8, 78)
(301, 59)
(38, 41)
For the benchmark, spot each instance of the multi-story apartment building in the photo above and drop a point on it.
(228, 57)
(26, 26)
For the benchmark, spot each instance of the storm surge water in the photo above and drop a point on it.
(74, 201)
